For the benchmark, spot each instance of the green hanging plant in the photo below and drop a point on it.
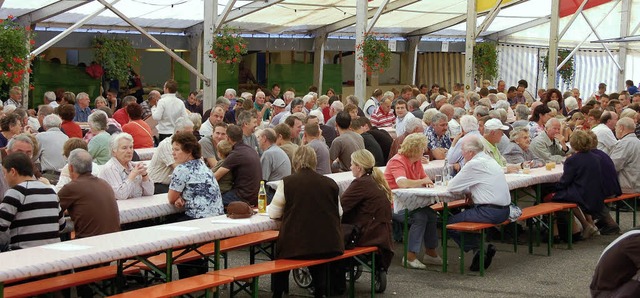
(228, 47)
(376, 55)
(15, 42)
(567, 71)
(116, 55)
(485, 59)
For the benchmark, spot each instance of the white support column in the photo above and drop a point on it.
(25, 77)
(470, 42)
(318, 61)
(210, 67)
(553, 44)
(625, 17)
(360, 78)
(413, 57)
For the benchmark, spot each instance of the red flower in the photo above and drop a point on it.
(29, 70)
(32, 42)
(31, 87)
(226, 48)
(228, 61)
(381, 54)
(10, 17)
(234, 60)
(16, 80)
(9, 65)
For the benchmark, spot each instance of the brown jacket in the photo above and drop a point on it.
(310, 218)
(366, 205)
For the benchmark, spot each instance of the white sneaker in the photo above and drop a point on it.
(429, 260)
(415, 264)
(590, 231)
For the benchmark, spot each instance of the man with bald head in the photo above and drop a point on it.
(151, 101)
(604, 131)
(626, 156)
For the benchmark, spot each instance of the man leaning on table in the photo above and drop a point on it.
(90, 202)
(484, 180)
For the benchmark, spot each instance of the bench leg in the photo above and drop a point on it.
(618, 212)
(482, 252)
(550, 240)
(515, 237)
(570, 229)
(373, 274)
(531, 231)
(635, 203)
(445, 236)
(461, 253)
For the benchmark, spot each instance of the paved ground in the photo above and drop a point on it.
(566, 273)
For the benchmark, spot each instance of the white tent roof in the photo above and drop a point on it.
(428, 18)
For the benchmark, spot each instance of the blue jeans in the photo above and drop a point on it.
(478, 213)
(422, 230)
(230, 196)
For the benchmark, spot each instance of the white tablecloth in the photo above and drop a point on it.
(414, 198)
(77, 253)
(148, 207)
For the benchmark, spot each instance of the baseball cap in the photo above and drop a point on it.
(279, 103)
(493, 124)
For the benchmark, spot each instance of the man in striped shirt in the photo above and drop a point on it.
(30, 208)
(383, 116)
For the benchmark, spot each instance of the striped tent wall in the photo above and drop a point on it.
(516, 62)
(445, 69)
(633, 66)
(592, 67)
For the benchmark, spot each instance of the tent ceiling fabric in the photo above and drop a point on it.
(303, 17)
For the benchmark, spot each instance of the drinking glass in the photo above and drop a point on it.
(438, 180)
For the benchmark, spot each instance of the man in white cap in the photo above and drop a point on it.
(493, 132)
(278, 111)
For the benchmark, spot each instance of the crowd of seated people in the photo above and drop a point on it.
(205, 160)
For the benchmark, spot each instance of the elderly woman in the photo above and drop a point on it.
(99, 145)
(582, 183)
(404, 170)
(70, 145)
(137, 128)
(11, 125)
(193, 188)
(538, 119)
(517, 151)
(128, 180)
(101, 102)
(300, 237)
(366, 204)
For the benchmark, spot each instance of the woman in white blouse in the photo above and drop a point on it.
(127, 179)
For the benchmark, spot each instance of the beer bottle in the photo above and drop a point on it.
(262, 199)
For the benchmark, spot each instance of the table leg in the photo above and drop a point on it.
(405, 236)
(445, 220)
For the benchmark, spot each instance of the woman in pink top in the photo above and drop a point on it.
(137, 128)
(404, 170)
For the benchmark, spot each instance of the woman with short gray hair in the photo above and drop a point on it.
(99, 143)
(127, 179)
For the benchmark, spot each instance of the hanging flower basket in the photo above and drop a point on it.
(15, 46)
(567, 71)
(376, 55)
(228, 47)
(116, 55)
(485, 60)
